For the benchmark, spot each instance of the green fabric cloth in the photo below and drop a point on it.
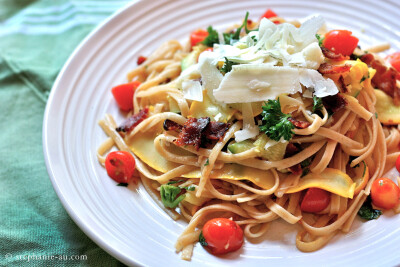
(36, 38)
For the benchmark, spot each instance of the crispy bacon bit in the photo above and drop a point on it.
(299, 124)
(197, 131)
(291, 150)
(216, 130)
(343, 86)
(332, 55)
(326, 68)
(172, 126)
(192, 131)
(296, 169)
(384, 78)
(133, 121)
(141, 59)
(334, 102)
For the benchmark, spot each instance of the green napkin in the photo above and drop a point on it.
(36, 38)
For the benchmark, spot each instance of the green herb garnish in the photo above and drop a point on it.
(320, 39)
(169, 195)
(202, 240)
(122, 184)
(175, 182)
(275, 123)
(230, 38)
(317, 104)
(367, 212)
(212, 37)
(227, 67)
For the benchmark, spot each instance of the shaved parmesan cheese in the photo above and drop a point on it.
(313, 80)
(250, 129)
(253, 83)
(192, 90)
(210, 75)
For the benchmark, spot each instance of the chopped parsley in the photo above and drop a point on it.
(367, 212)
(207, 163)
(202, 240)
(320, 39)
(227, 67)
(231, 38)
(122, 184)
(169, 195)
(275, 123)
(376, 114)
(317, 104)
(212, 37)
(175, 182)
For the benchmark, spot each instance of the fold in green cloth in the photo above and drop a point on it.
(36, 38)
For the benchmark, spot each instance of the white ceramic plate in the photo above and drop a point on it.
(125, 221)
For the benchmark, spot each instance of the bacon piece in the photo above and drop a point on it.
(334, 102)
(296, 169)
(133, 121)
(172, 126)
(326, 68)
(291, 150)
(299, 124)
(384, 78)
(343, 86)
(332, 55)
(216, 130)
(192, 132)
(141, 59)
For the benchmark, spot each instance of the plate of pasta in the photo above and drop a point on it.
(231, 132)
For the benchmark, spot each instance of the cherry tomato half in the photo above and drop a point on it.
(120, 166)
(222, 236)
(269, 14)
(340, 42)
(385, 193)
(123, 94)
(394, 60)
(398, 163)
(315, 200)
(197, 37)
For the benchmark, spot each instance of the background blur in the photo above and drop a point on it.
(36, 39)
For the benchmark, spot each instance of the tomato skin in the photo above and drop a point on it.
(120, 166)
(141, 59)
(123, 94)
(385, 193)
(222, 236)
(197, 37)
(398, 163)
(269, 14)
(394, 60)
(315, 200)
(340, 42)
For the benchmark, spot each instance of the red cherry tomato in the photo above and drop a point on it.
(385, 193)
(340, 42)
(120, 166)
(269, 14)
(222, 236)
(197, 37)
(141, 59)
(315, 200)
(123, 94)
(398, 163)
(394, 60)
